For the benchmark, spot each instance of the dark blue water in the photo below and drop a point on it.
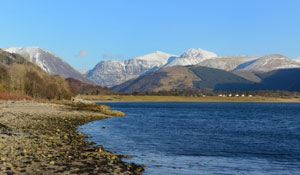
(204, 138)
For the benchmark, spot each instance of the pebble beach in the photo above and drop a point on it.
(41, 138)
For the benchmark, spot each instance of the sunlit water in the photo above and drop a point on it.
(204, 138)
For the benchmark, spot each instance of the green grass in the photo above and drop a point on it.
(187, 99)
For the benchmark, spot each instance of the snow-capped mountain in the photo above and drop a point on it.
(113, 72)
(83, 71)
(191, 57)
(251, 63)
(268, 63)
(227, 63)
(48, 61)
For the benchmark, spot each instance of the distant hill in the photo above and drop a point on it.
(214, 79)
(282, 79)
(183, 77)
(210, 79)
(79, 87)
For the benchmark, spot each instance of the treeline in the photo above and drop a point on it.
(30, 80)
(175, 92)
(264, 93)
(199, 93)
(19, 76)
(78, 87)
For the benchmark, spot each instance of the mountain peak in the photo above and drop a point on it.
(160, 53)
(32, 51)
(274, 56)
(198, 53)
(191, 57)
(157, 57)
(48, 61)
(110, 73)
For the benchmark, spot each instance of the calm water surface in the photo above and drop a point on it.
(204, 138)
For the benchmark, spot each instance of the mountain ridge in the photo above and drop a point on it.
(243, 65)
(48, 61)
(181, 77)
(112, 72)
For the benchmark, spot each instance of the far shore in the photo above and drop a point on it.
(129, 98)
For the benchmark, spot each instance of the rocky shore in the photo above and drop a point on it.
(41, 138)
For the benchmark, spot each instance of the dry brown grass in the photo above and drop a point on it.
(96, 108)
(177, 77)
(13, 96)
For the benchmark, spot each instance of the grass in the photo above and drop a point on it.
(93, 107)
(13, 96)
(129, 98)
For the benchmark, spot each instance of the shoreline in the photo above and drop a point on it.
(96, 101)
(42, 138)
(208, 99)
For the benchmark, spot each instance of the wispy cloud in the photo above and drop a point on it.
(82, 54)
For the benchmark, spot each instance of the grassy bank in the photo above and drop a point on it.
(39, 138)
(129, 98)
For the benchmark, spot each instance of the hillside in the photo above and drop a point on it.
(180, 77)
(21, 76)
(79, 87)
(210, 79)
(48, 62)
(282, 79)
(214, 79)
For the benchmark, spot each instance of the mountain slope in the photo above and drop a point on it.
(214, 79)
(112, 72)
(268, 63)
(191, 57)
(180, 77)
(227, 63)
(48, 61)
(282, 79)
(248, 75)
(21, 76)
(78, 87)
(164, 79)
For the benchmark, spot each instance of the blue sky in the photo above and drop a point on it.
(84, 32)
